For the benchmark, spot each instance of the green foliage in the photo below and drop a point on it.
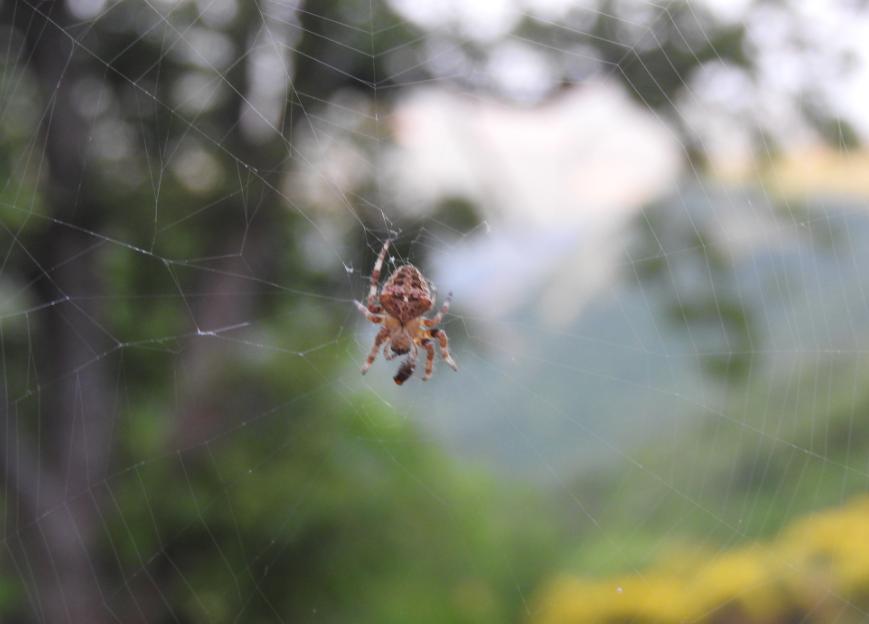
(349, 515)
(815, 570)
(776, 456)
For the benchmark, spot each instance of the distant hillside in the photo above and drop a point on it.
(721, 295)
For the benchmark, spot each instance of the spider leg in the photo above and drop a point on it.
(375, 275)
(444, 343)
(368, 313)
(381, 337)
(437, 318)
(429, 360)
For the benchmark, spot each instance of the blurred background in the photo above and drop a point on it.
(652, 215)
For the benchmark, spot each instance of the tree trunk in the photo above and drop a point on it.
(54, 488)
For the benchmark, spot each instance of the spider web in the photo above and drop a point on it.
(672, 364)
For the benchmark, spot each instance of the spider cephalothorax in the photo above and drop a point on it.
(406, 296)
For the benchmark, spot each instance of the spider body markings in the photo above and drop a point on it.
(405, 297)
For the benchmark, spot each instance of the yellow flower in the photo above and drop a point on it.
(818, 566)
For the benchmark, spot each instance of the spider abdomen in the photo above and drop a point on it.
(406, 294)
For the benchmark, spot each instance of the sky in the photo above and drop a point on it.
(827, 27)
(559, 181)
(552, 179)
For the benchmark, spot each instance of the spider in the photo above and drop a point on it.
(404, 299)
